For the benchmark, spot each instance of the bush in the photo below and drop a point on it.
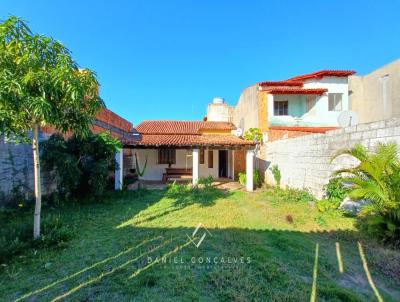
(376, 179)
(257, 181)
(16, 234)
(277, 174)
(325, 205)
(206, 181)
(336, 190)
(294, 195)
(82, 165)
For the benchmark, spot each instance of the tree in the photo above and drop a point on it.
(376, 178)
(41, 85)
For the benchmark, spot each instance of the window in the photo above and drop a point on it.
(281, 107)
(335, 101)
(210, 159)
(310, 103)
(201, 156)
(166, 156)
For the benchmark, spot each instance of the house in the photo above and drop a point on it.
(376, 96)
(312, 100)
(188, 149)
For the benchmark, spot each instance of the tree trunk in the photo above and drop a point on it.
(38, 187)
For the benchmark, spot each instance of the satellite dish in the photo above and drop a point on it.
(347, 119)
(238, 132)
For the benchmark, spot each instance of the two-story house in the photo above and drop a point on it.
(301, 105)
(312, 101)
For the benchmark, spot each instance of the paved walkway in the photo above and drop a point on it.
(223, 184)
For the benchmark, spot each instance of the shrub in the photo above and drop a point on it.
(257, 181)
(82, 165)
(294, 195)
(376, 178)
(325, 205)
(206, 181)
(253, 134)
(16, 234)
(277, 174)
(336, 190)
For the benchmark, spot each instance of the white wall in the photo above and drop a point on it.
(305, 162)
(334, 85)
(155, 171)
(320, 114)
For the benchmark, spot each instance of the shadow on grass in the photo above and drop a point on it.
(229, 265)
(181, 197)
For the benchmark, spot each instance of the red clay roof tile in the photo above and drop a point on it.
(289, 90)
(181, 127)
(182, 140)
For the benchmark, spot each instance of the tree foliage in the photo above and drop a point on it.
(41, 85)
(82, 165)
(253, 134)
(376, 178)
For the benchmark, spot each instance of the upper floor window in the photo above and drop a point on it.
(335, 101)
(281, 108)
(166, 156)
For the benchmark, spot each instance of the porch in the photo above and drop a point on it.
(193, 149)
(219, 163)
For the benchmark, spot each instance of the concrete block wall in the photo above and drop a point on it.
(16, 170)
(305, 162)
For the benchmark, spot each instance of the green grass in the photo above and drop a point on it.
(275, 232)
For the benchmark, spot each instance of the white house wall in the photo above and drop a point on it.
(154, 171)
(320, 114)
(334, 85)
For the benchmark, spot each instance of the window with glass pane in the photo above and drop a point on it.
(166, 156)
(281, 107)
(201, 156)
(210, 159)
(335, 101)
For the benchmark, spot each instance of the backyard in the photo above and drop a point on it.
(271, 245)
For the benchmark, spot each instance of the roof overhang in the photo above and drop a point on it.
(179, 141)
(305, 91)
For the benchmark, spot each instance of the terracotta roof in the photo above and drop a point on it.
(289, 90)
(323, 73)
(183, 140)
(181, 127)
(183, 134)
(281, 83)
(304, 129)
(299, 80)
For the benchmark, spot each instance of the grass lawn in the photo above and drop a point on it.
(265, 246)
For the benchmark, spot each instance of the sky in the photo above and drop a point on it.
(167, 59)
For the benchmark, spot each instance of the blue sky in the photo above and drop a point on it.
(168, 59)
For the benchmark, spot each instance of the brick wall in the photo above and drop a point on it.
(239, 162)
(305, 161)
(16, 170)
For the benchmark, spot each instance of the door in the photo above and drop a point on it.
(222, 163)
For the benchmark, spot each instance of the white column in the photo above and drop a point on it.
(233, 164)
(249, 170)
(119, 170)
(195, 166)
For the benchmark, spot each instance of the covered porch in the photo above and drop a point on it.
(186, 163)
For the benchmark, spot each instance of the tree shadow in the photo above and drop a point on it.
(228, 264)
(181, 197)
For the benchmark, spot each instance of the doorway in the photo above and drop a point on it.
(222, 163)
